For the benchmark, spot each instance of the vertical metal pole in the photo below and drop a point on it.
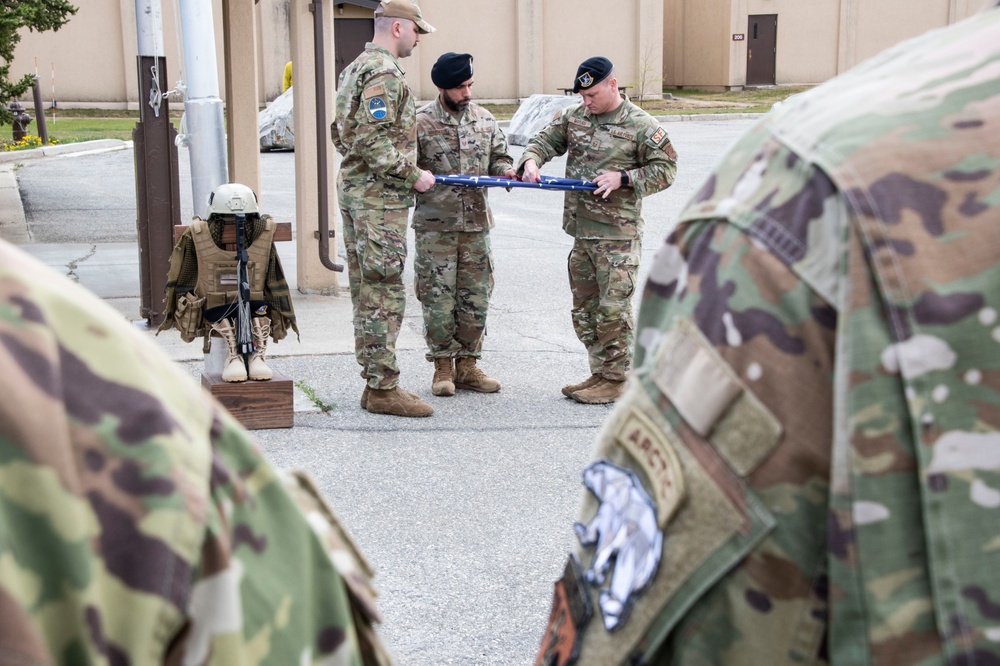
(157, 178)
(203, 108)
(43, 129)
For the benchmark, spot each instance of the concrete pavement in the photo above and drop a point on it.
(467, 515)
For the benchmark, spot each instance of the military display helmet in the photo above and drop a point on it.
(230, 199)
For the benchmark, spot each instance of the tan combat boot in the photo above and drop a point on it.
(570, 389)
(397, 402)
(368, 390)
(234, 369)
(444, 377)
(261, 332)
(604, 391)
(468, 376)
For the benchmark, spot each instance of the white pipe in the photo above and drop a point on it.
(203, 108)
(149, 27)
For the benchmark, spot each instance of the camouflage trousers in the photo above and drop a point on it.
(376, 251)
(454, 281)
(602, 277)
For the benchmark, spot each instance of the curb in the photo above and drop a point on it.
(13, 227)
(81, 147)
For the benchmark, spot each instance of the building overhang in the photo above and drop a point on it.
(367, 4)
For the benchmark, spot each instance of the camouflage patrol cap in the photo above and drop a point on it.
(406, 9)
(592, 71)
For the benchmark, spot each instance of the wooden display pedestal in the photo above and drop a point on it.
(255, 404)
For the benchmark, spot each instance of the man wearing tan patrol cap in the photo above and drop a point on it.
(375, 132)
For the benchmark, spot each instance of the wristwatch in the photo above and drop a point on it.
(625, 179)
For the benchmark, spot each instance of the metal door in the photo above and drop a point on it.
(349, 39)
(762, 40)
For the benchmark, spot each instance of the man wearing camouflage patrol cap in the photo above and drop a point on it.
(614, 143)
(453, 261)
(809, 460)
(139, 523)
(375, 133)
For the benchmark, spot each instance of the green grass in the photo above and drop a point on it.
(694, 101)
(314, 398)
(74, 125)
(758, 97)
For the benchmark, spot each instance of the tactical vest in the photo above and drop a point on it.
(217, 278)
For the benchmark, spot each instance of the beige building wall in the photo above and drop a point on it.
(522, 47)
(493, 49)
(807, 40)
(816, 40)
(696, 42)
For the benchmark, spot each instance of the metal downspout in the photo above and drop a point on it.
(322, 138)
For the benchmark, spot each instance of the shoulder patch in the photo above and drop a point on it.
(376, 90)
(658, 136)
(624, 531)
(647, 444)
(377, 108)
(571, 611)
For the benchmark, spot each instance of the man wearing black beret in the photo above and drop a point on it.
(453, 262)
(623, 149)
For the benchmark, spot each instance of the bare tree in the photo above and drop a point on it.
(649, 74)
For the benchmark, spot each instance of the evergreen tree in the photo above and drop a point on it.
(35, 15)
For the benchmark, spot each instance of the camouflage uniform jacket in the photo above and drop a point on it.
(376, 133)
(815, 420)
(627, 138)
(471, 143)
(139, 524)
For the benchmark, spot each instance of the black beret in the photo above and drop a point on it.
(591, 71)
(452, 70)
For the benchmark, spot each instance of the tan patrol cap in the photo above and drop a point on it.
(406, 9)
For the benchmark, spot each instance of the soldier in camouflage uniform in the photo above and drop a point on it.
(811, 450)
(139, 524)
(376, 135)
(453, 261)
(614, 143)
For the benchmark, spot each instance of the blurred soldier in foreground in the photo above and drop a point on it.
(614, 143)
(138, 522)
(453, 261)
(375, 132)
(807, 468)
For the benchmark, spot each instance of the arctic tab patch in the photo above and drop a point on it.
(571, 611)
(377, 108)
(625, 534)
(650, 448)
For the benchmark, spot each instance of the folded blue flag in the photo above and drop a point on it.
(544, 183)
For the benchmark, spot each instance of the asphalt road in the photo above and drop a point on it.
(467, 515)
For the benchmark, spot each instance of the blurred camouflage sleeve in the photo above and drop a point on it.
(550, 142)
(726, 426)
(138, 522)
